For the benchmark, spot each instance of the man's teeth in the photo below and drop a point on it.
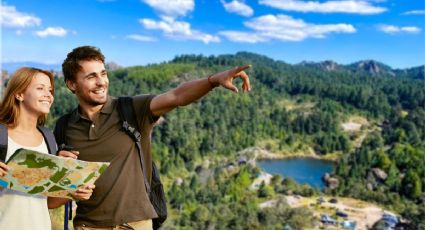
(99, 91)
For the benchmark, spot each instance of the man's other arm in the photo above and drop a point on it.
(191, 91)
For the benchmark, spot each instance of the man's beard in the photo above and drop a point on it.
(97, 102)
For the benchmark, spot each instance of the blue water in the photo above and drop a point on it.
(3, 183)
(302, 170)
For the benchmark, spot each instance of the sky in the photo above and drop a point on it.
(140, 32)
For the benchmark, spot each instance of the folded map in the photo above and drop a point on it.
(37, 173)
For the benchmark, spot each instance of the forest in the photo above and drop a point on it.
(291, 108)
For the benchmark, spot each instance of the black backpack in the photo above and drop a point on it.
(130, 126)
(47, 134)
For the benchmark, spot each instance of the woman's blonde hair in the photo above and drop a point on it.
(18, 83)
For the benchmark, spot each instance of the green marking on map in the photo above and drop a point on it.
(89, 177)
(55, 188)
(65, 182)
(58, 175)
(51, 175)
(103, 168)
(32, 162)
(36, 189)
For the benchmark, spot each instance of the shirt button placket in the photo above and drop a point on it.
(92, 131)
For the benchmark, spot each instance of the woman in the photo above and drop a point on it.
(26, 103)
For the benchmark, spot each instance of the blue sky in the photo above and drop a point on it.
(138, 32)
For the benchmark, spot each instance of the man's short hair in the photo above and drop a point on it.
(70, 66)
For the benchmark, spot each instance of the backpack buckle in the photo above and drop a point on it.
(131, 130)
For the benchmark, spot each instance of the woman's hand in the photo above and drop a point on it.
(3, 169)
(69, 153)
(84, 193)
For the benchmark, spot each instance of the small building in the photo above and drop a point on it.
(326, 219)
(390, 219)
(287, 227)
(242, 160)
(341, 214)
(349, 224)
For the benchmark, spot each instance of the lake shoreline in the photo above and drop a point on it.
(263, 154)
(254, 154)
(304, 170)
(291, 156)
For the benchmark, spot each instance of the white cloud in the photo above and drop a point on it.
(339, 6)
(373, 0)
(243, 37)
(177, 30)
(172, 8)
(284, 28)
(9, 17)
(140, 38)
(391, 29)
(410, 29)
(414, 12)
(52, 31)
(238, 7)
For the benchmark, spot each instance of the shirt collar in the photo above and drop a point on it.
(107, 108)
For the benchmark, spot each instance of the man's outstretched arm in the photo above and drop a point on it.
(191, 91)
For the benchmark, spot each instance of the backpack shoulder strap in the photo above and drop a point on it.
(60, 135)
(128, 117)
(3, 142)
(60, 130)
(47, 134)
(154, 188)
(50, 139)
(130, 126)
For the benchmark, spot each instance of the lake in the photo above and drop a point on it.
(302, 170)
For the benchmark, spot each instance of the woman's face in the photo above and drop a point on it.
(38, 97)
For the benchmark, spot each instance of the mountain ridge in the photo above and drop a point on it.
(368, 67)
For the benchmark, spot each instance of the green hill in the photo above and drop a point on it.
(292, 108)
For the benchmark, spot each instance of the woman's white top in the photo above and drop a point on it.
(20, 210)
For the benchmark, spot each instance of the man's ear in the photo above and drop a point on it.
(71, 85)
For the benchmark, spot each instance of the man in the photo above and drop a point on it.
(94, 130)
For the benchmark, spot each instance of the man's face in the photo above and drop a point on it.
(90, 83)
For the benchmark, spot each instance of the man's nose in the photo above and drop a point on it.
(100, 80)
